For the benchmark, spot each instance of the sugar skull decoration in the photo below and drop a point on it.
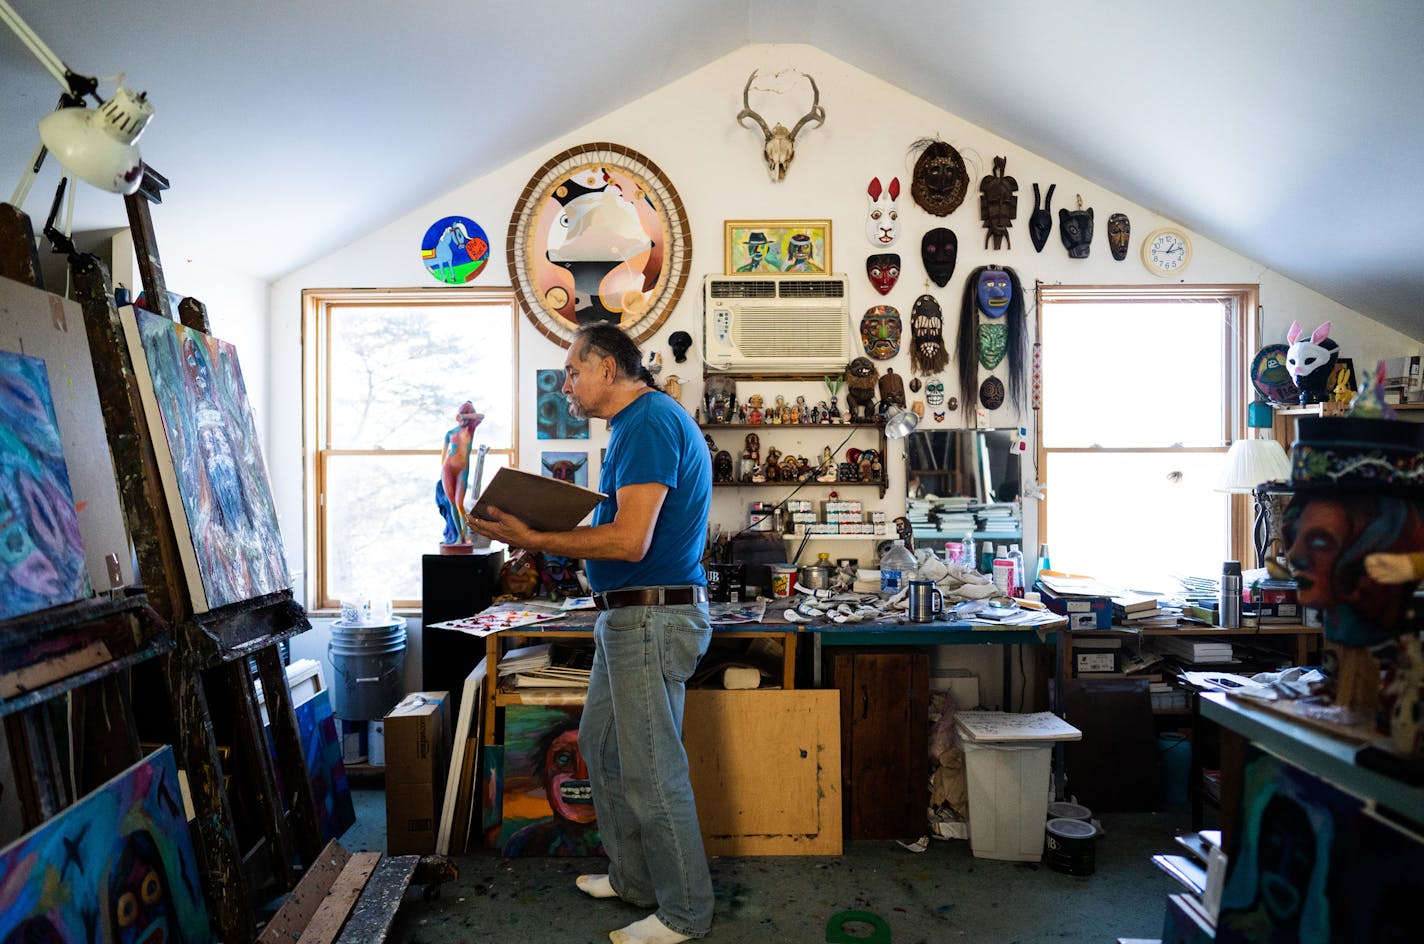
(860, 376)
(998, 204)
(934, 392)
(1310, 361)
(880, 332)
(927, 352)
(940, 180)
(1040, 221)
(939, 251)
(997, 293)
(679, 341)
(883, 269)
(1075, 228)
(882, 223)
(1119, 230)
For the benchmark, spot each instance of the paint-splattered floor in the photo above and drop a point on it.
(943, 894)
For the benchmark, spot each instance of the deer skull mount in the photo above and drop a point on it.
(780, 144)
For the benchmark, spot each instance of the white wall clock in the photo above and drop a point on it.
(1166, 251)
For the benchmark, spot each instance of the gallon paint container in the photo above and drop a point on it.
(783, 580)
(367, 662)
(1068, 847)
(1061, 809)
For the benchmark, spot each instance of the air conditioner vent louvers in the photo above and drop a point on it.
(812, 288)
(743, 288)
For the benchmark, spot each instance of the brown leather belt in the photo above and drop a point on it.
(650, 596)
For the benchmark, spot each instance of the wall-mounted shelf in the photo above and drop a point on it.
(820, 429)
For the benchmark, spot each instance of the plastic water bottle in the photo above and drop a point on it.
(971, 554)
(1016, 555)
(897, 566)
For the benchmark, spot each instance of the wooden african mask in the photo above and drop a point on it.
(1075, 227)
(939, 250)
(998, 204)
(940, 181)
(928, 354)
(991, 393)
(1119, 229)
(1040, 222)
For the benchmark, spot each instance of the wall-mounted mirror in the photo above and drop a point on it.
(955, 478)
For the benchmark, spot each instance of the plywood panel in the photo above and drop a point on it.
(766, 770)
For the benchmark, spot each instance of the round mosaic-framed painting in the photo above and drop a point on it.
(599, 234)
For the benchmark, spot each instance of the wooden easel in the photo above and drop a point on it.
(218, 642)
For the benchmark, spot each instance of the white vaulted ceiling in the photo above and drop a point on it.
(1289, 131)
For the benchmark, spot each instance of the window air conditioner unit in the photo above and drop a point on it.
(777, 323)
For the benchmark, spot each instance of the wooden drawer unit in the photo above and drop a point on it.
(884, 695)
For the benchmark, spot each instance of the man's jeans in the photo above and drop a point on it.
(631, 739)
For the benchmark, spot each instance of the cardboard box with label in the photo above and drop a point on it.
(417, 752)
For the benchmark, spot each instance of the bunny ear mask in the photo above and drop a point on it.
(1321, 333)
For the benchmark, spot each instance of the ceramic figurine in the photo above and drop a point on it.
(826, 471)
(1310, 361)
(454, 473)
(861, 376)
(722, 466)
(673, 387)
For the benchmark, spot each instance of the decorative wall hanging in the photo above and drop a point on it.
(760, 247)
(883, 269)
(927, 353)
(934, 391)
(880, 332)
(1075, 228)
(882, 221)
(991, 393)
(42, 555)
(455, 249)
(679, 341)
(992, 289)
(1271, 376)
(552, 419)
(1310, 361)
(565, 466)
(939, 251)
(779, 145)
(118, 865)
(1166, 251)
(1040, 222)
(940, 180)
(599, 234)
(861, 375)
(993, 343)
(914, 385)
(210, 460)
(998, 204)
(892, 388)
(1119, 231)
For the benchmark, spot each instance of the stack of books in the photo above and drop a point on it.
(997, 518)
(548, 665)
(1192, 651)
(1129, 605)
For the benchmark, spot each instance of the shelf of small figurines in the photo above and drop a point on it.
(753, 468)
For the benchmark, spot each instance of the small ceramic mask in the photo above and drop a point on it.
(939, 250)
(1119, 229)
(994, 292)
(882, 225)
(880, 332)
(1075, 227)
(939, 416)
(883, 268)
(1040, 222)
(934, 392)
(679, 341)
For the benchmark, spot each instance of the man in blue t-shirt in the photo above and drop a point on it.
(643, 554)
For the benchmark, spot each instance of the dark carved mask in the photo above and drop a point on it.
(940, 180)
(1119, 229)
(1075, 227)
(880, 332)
(939, 249)
(1040, 222)
(998, 204)
(883, 268)
(679, 341)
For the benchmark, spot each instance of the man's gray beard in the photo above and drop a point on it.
(576, 411)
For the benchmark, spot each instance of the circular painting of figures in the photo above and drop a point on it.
(598, 234)
(455, 250)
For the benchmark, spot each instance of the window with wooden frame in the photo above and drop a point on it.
(1143, 391)
(384, 373)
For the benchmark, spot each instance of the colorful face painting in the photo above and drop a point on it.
(455, 250)
(214, 478)
(882, 223)
(993, 292)
(883, 268)
(939, 251)
(552, 417)
(801, 254)
(548, 804)
(41, 553)
(1119, 230)
(116, 866)
(565, 466)
(880, 332)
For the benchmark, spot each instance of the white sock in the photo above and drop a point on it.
(598, 886)
(648, 931)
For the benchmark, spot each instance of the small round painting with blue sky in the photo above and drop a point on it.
(455, 250)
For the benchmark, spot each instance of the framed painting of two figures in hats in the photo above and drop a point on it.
(776, 247)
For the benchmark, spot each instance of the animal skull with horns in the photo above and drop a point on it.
(780, 146)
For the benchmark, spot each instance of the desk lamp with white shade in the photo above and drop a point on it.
(1252, 462)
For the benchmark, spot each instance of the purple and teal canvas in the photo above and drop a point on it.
(217, 461)
(41, 552)
(552, 418)
(116, 866)
(455, 249)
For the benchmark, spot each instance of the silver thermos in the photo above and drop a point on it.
(1229, 606)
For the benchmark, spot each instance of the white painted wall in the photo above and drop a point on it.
(687, 129)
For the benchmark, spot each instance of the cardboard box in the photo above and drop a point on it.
(1082, 612)
(417, 753)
